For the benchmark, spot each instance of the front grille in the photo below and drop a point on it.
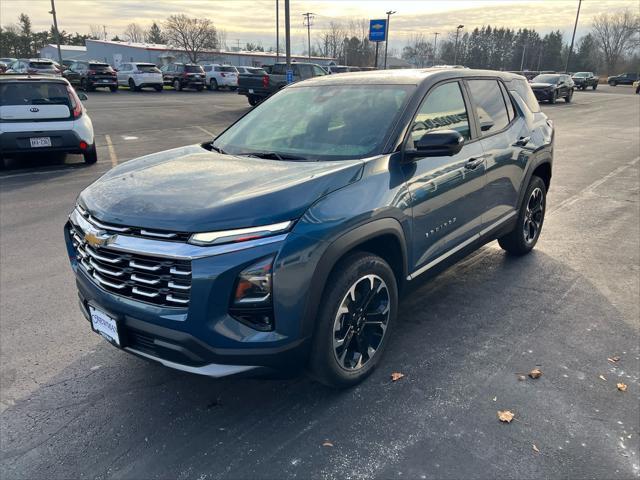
(159, 281)
(134, 231)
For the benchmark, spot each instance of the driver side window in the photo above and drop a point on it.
(443, 109)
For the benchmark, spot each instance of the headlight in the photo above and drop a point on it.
(239, 235)
(252, 302)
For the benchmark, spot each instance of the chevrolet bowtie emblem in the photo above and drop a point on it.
(376, 26)
(99, 238)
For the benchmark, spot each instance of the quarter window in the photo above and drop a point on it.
(508, 102)
(443, 109)
(491, 110)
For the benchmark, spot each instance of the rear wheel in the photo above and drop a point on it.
(613, 84)
(525, 234)
(132, 85)
(158, 88)
(354, 323)
(569, 97)
(177, 85)
(199, 88)
(253, 101)
(595, 85)
(90, 155)
(213, 84)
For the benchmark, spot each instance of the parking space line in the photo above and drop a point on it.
(205, 130)
(112, 151)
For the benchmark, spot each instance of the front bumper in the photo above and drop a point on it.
(201, 337)
(543, 94)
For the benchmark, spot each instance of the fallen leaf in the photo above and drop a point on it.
(495, 398)
(614, 359)
(535, 449)
(601, 377)
(521, 378)
(535, 373)
(395, 376)
(622, 387)
(505, 416)
(327, 443)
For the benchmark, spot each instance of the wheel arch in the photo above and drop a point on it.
(541, 169)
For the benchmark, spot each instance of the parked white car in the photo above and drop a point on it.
(43, 114)
(34, 66)
(137, 75)
(221, 76)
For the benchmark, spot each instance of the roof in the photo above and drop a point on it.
(413, 76)
(77, 48)
(12, 77)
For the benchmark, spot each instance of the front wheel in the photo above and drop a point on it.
(613, 84)
(595, 85)
(569, 97)
(554, 97)
(199, 88)
(177, 85)
(213, 84)
(354, 323)
(132, 85)
(525, 234)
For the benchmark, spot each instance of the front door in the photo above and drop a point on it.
(446, 191)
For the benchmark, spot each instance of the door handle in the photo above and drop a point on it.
(473, 163)
(522, 141)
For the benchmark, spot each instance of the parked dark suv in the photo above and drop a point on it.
(551, 87)
(91, 75)
(180, 75)
(285, 242)
(623, 79)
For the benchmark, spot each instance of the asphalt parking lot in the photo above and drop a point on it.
(72, 406)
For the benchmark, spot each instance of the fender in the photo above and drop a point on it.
(337, 249)
(545, 156)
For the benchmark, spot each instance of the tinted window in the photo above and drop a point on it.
(256, 71)
(148, 68)
(194, 69)
(228, 69)
(31, 93)
(508, 102)
(443, 109)
(100, 67)
(330, 122)
(489, 104)
(41, 65)
(524, 90)
(339, 69)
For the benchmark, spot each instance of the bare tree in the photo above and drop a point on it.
(616, 33)
(418, 51)
(222, 38)
(96, 32)
(191, 34)
(134, 33)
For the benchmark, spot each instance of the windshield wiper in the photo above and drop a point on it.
(273, 155)
(217, 149)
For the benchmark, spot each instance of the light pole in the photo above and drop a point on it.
(573, 37)
(435, 46)
(277, 31)
(386, 40)
(55, 26)
(287, 33)
(455, 55)
(307, 22)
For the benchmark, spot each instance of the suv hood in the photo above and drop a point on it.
(191, 189)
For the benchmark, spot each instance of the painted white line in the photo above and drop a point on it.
(205, 131)
(590, 188)
(112, 151)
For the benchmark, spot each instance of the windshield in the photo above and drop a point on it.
(546, 79)
(581, 74)
(193, 69)
(330, 122)
(32, 93)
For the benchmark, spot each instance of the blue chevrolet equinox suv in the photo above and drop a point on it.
(286, 241)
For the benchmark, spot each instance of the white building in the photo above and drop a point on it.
(116, 53)
(69, 52)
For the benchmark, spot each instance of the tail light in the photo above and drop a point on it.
(75, 103)
(265, 81)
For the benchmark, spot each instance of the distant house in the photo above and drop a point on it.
(115, 53)
(69, 52)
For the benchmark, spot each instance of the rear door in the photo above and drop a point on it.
(504, 135)
(123, 73)
(446, 191)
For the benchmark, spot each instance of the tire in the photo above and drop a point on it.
(83, 85)
(91, 155)
(199, 88)
(523, 238)
(177, 85)
(213, 84)
(613, 84)
(132, 85)
(158, 88)
(113, 89)
(253, 101)
(569, 97)
(340, 365)
(554, 97)
(594, 86)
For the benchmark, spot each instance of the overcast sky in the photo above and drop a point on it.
(254, 20)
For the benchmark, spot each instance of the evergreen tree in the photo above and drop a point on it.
(154, 34)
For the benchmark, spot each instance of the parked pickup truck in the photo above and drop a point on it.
(258, 87)
(583, 80)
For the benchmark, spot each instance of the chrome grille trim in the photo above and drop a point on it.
(104, 226)
(158, 234)
(175, 271)
(177, 300)
(178, 286)
(149, 268)
(100, 279)
(137, 291)
(136, 278)
(102, 258)
(106, 271)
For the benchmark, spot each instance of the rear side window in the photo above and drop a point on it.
(443, 109)
(207, 68)
(524, 90)
(32, 93)
(194, 69)
(491, 110)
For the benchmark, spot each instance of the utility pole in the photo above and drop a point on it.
(277, 31)
(435, 46)
(524, 50)
(307, 23)
(386, 39)
(104, 32)
(573, 37)
(455, 54)
(287, 33)
(55, 26)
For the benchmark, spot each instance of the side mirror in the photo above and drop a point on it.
(440, 143)
(82, 96)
